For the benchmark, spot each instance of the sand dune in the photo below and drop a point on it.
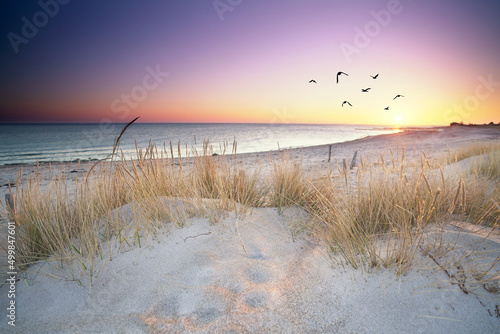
(246, 275)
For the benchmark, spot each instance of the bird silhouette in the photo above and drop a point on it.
(345, 103)
(365, 90)
(386, 108)
(398, 96)
(339, 73)
(312, 81)
(374, 77)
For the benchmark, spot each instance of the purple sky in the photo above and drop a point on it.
(250, 61)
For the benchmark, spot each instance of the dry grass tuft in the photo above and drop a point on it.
(378, 218)
(288, 182)
(474, 150)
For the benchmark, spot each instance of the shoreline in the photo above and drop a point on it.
(417, 139)
(93, 160)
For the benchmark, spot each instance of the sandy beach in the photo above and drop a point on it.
(256, 273)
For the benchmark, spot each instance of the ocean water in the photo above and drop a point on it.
(29, 143)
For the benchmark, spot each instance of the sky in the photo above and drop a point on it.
(250, 61)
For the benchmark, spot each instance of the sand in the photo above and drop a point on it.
(254, 274)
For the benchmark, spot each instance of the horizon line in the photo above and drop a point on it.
(243, 123)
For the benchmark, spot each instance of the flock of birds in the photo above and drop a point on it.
(363, 90)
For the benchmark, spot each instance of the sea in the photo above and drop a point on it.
(41, 142)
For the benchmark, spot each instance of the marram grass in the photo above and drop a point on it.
(375, 217)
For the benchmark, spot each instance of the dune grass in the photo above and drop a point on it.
(373, 217)
(54, 220)
(377, 217)
(475, 149)
(489, 166)
(484, 184)
(288, 182)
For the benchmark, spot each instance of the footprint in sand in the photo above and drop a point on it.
(254, 252)
(256, 299)
(204, 316)
(169, 308)
(258, 274)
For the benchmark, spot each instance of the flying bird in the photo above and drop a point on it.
(365, 90)
(374, 77)
(398, 96)
(345, 103)
(386, 108)
(339, 73)
(312, 81)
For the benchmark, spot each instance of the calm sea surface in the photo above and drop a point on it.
(29, 143)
